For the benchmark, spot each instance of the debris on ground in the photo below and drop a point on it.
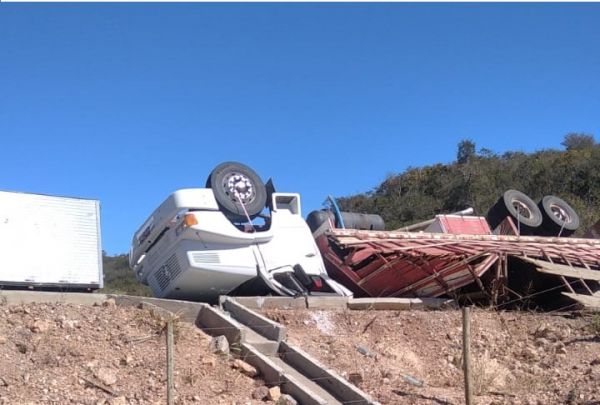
(412, 380)
(274, 393)
(286, 400)
(219, 345)
(261, 392)
(364, 351)
(245, 368)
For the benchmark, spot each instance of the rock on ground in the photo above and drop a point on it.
(274, 393)
(286, 399)
(260, 393)
(219, 345)
(245, 368)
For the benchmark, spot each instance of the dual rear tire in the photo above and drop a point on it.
(559, 217)
(552, 216)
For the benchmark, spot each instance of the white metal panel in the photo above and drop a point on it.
(180, 200)
(49, 240)
(435, 226)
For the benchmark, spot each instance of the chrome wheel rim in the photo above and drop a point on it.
(522, 209)
(559, 213)
(239, 188)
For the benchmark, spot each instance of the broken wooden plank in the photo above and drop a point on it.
(563, 270)
(587, 301)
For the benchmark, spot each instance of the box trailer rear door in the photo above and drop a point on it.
(49, 241)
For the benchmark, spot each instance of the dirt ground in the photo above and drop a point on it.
(109, 355)
(518, 358)
(61, 354)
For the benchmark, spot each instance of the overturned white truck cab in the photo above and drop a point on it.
(204, 242)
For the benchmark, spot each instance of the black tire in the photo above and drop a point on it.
(522, 209)
(227, 178)
(558, 215)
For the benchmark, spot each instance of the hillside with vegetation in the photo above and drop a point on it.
(119, 279)
(479, 177)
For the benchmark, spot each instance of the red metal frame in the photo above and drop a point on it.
(392, 264)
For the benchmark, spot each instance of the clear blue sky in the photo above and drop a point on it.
(129, 102)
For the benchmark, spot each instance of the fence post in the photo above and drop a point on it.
(467, 354)
(170, 399)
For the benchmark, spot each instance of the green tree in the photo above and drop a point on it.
(466, 151)
(575, 140)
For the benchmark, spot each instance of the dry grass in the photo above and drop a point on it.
(158, 318)
(594, 326)
(190, 377)
(487, 374)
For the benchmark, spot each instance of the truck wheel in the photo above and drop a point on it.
(557, 215)
(232, 182)
(521, 208)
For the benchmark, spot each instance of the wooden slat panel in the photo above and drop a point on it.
(357, 235)
(551, 246)
(563, 270)
(588, 301)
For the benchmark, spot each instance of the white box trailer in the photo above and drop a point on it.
(49, 242)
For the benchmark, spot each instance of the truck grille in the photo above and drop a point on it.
(167, 273)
